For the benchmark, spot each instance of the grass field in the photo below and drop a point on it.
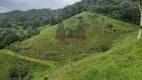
(122, 62)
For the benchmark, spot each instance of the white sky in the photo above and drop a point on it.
(8, 5)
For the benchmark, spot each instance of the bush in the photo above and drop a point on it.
(46, 78)
(14, 72)
(2, 46)
(15, 47)
(104, 48)
(110, 25)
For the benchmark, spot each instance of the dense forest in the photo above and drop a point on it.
(20, 25)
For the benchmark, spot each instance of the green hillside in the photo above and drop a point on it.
(122, 62)
(45, 46)
(37, 69)
(111, 60)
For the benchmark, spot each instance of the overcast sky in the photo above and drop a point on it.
(8, 5)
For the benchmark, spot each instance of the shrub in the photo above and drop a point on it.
(104, 48)
(110, 26)
(46, 78)
(14, 72)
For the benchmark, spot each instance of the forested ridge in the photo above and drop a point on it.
(20, 25)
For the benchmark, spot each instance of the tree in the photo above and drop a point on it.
(103, 27)
(81, 31)
(140, 31)
(19, 64)
(5, 23)
(60, 33)
(135, 13)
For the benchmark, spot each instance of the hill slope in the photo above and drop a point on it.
(45, 46)
(122, 62)
(37, 69)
